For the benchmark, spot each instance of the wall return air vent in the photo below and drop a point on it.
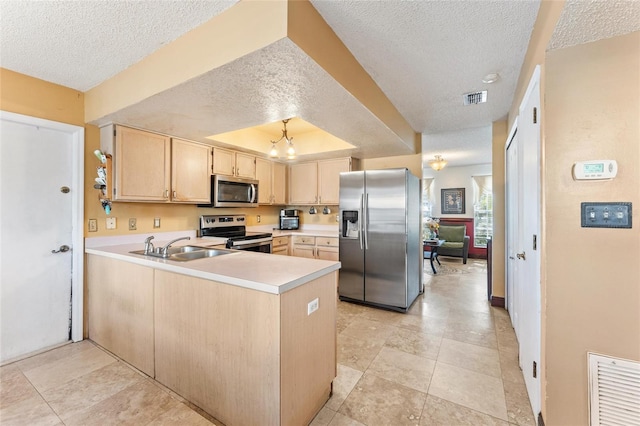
(614, 391)
(475, 98)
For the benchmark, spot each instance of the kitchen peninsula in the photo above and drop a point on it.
(248, 337)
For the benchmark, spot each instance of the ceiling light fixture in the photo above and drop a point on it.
(437, 164)
(291, 152)
(491, 78)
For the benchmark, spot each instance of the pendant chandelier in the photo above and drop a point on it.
(291, 152)
(437, 164)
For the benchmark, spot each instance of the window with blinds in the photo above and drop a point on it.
(482, 210)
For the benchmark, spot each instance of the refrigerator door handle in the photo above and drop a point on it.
(366, 221)
(361, 220)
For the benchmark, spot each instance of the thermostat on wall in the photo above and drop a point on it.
(595, 169)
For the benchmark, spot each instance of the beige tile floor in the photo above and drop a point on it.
(452, 360)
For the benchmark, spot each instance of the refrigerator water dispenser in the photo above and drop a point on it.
(350, 225)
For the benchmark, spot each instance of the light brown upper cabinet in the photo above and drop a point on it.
(232, 163)
(190, 172)
(317, 182)
(279, 183)
(145, 169)
(303, 183)
(272, 181)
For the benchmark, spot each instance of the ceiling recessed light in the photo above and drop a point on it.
(491, 78)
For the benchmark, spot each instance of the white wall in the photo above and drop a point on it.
(455, 177)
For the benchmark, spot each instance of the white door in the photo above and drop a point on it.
(528, 256)
(512, 214)
(37, 165)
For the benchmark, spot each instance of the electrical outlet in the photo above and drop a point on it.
(93, 225)
(337, 218)
(111, 223)
(132, 224)
(156, 222)
(312, 306)
(258, 219)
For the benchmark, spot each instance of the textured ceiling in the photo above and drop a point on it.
(79, 44)
(584, 21)
(232, 97)
(424, 55)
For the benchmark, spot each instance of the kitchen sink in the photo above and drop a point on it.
(185, 253)
(199, 254)
(183, 249)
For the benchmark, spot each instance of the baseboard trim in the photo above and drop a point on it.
(497, 301)
(477, 256)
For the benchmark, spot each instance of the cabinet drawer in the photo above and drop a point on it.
(327, 254)
(326, 242)
(280, 241)
(283, 251)
(300, 239)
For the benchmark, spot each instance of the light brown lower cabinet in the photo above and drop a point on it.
(325, 248)
(120, 310)
(246, 357)
(280, 246)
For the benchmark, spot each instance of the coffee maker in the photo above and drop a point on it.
(289, 219)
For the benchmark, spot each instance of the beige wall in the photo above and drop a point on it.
(592, 275)
(38, 98)
(499, 138)
(411, 162)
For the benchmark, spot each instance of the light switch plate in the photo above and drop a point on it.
(605, 215)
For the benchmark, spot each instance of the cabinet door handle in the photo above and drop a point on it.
(175, 195)
(166, 193)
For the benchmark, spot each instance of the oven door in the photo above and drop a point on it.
(262, 245)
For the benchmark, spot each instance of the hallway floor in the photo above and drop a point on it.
(452, 360)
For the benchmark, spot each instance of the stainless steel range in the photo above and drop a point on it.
(233, 228)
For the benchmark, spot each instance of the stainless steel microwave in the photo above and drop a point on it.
(229, 191)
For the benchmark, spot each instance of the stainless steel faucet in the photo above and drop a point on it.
(166, 247)
(148, 245)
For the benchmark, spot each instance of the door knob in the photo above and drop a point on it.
(62, 249)
(521, 256)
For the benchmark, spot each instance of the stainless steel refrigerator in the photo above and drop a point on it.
(380, 241)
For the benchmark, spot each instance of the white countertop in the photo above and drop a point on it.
(257, 271)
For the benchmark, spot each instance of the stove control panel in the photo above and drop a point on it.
(212, 221)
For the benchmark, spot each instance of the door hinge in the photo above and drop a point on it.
(535, 115)
(535, 242)
(535, 369)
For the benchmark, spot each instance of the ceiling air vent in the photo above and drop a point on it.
(475, 98)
